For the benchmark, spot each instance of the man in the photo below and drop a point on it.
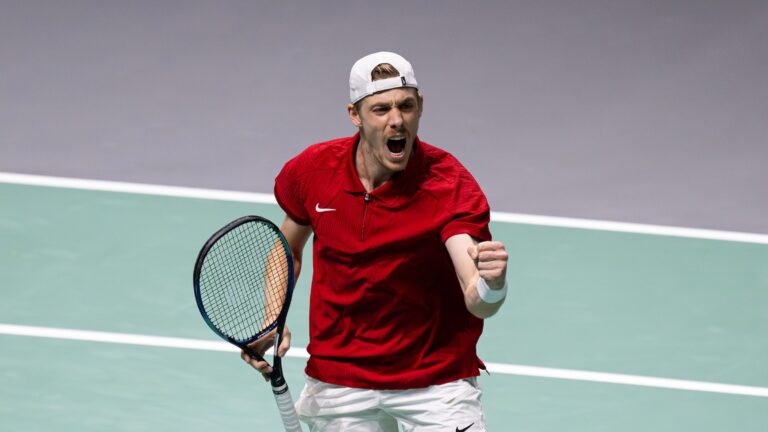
(404, 267)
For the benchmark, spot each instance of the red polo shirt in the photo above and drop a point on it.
(386, 307)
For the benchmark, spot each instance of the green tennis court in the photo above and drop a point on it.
(632, 308)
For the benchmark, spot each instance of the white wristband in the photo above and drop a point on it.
(489, 295)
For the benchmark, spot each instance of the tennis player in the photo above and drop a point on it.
(404, 267)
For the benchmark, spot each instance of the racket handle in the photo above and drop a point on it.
(286, 408)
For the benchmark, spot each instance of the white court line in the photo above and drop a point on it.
(137, 188)
(186, 192)
(635, 380)
(130, 339)
(507, 369)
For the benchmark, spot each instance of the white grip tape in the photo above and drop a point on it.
(489, 295)
(287, 409)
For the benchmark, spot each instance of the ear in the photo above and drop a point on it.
(354, 116)
(421, 104)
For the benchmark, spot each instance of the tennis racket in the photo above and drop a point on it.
(243, 285)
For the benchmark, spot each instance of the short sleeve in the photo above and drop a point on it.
(288, 191)
(470, 213)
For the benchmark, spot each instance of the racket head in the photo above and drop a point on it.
(243, 280)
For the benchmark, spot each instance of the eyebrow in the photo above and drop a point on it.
(409, 99)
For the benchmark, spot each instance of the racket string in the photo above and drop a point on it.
(243, 280)
(241, 286)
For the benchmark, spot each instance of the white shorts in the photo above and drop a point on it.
(454, 406)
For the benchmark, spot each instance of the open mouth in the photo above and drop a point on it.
(396, 145)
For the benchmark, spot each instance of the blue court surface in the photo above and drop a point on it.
(602, 330)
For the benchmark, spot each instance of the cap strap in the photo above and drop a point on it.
(386, 84)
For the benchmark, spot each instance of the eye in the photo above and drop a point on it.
(407, 106)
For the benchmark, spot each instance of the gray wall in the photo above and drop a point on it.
(638, 111)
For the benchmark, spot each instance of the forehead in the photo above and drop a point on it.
(393, 96)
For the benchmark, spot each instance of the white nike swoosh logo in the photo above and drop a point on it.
(322, 210)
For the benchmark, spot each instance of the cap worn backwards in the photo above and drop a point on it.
(362, 85)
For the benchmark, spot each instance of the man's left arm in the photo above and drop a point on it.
(482, 271)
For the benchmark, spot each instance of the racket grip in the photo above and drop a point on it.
(286, 408)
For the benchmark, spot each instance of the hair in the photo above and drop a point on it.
(383, 71)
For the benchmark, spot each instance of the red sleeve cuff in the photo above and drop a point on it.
(478, 232)
(294, 210)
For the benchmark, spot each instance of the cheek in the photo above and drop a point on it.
(373, 138)
(413, 123)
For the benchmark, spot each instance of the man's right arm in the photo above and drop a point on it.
(297, 236)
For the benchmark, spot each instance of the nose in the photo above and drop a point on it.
(395, 119)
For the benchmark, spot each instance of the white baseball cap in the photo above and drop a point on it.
(361, 84)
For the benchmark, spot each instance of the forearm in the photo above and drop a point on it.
(473, 261)
(296, 268)
(297, 236)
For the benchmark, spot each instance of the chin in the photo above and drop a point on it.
(397, 166)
